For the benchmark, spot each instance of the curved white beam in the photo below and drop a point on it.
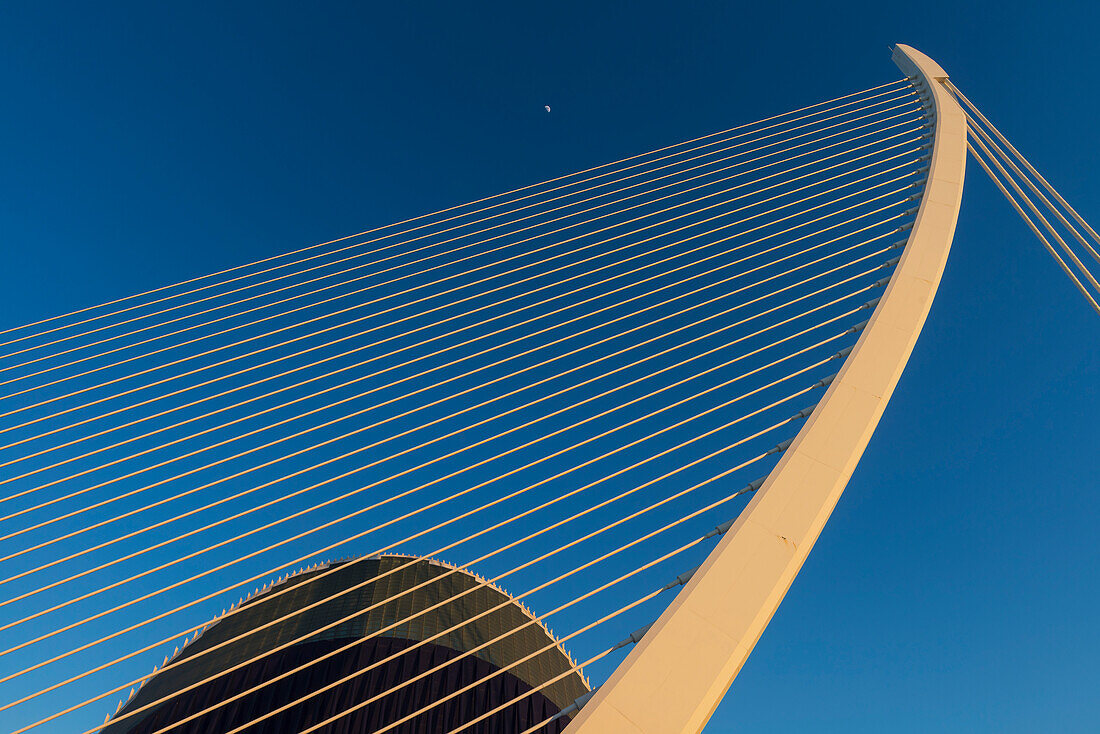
(676, 675)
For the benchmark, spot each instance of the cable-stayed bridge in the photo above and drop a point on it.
(625, 401)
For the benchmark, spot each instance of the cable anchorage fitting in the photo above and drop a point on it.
(724, 527)
(858, 327)
(678, 581)
(752, 486)
(843, 352)
(780, 447)
(576, 706)
(633, 639)
(804, 413)
(826, 381)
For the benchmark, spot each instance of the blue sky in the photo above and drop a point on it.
(955, 587)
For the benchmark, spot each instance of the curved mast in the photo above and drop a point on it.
(676, 675)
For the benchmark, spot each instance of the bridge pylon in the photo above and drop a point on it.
(676, 675)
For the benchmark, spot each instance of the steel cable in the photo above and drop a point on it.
(432, 310)
(845, 124)
(406, 221)
(560, 340)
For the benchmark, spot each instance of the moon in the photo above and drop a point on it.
(546, 107)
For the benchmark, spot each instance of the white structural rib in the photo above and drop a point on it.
(677, 674)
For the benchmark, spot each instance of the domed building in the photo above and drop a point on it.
(327, 592)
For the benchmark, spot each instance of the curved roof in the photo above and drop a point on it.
(416, 601)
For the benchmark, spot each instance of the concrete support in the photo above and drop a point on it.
(675, 676)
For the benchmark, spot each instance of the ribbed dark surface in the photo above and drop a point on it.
(443, 583)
